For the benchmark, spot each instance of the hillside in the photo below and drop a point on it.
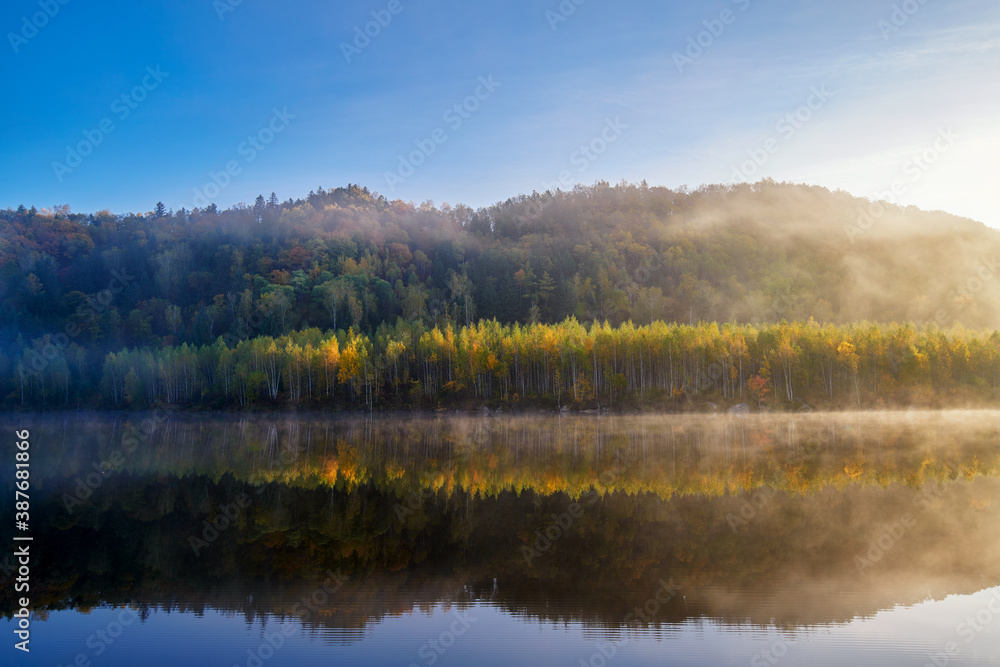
(77, 287)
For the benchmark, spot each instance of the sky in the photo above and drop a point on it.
(120, 105)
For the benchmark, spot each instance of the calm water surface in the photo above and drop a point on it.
(819, 539)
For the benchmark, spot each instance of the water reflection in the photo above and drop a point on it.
(771, 525)
(664, 455)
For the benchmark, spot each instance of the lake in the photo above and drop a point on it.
(167, 538)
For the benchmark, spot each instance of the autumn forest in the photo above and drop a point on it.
(772, 295)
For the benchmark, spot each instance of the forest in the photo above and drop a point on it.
(770, 294)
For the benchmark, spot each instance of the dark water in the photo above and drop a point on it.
(165, 539)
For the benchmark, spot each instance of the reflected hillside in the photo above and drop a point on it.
(880, 509)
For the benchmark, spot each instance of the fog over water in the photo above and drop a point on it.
(760, 528)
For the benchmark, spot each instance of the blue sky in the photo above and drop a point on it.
(923, 82)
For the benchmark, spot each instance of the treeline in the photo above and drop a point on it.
(407, 365)
(349, 258)
(75, 288)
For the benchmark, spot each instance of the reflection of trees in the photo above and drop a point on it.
(665, 456)
(325, 495)
(785, 562)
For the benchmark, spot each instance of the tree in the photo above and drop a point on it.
(332, 294)
(461, 291)
(758, 388)
(173, 318)
(546, 285)
(277, 301)
(259, 206)
(846, 355)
